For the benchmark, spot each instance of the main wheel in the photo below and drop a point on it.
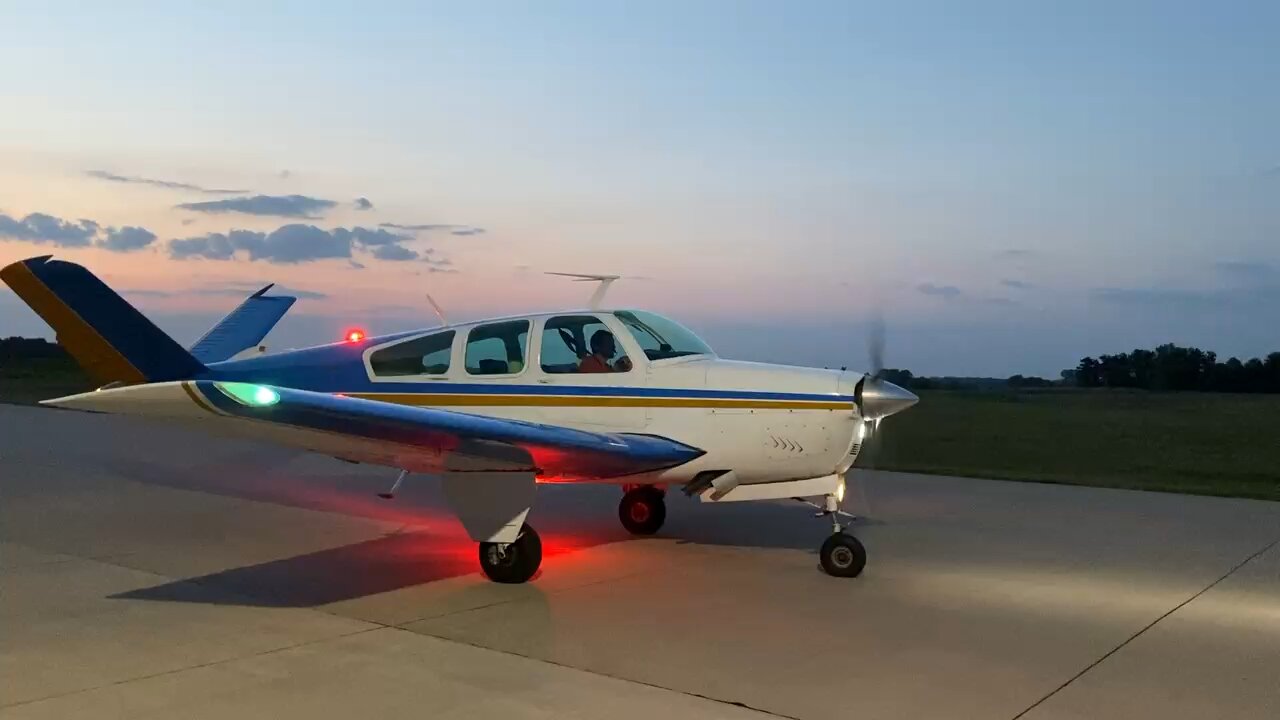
(843, 556)
(642, 510)
(512, 562)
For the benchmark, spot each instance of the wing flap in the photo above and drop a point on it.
(414, 438)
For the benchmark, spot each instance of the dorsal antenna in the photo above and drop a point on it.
(439, 311)
(597, 297)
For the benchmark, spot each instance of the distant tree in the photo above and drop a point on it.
(1023, 381)
(901, 378)
(1089, 373)
(1068, 377)
(20, 348)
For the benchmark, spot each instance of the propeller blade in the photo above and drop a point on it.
(875, 345)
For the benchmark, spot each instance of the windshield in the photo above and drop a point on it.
(660, 337)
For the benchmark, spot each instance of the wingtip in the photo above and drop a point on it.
(28, 262)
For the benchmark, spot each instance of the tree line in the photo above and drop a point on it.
(20, 348)
(1170, 367)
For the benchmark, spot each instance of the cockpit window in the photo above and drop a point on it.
(661, 337)
(581, 344)
(428, 355)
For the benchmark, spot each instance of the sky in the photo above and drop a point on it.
(1011, 186)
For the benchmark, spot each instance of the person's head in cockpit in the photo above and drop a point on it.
(603, 348)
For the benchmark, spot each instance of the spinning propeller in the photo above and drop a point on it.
(875, 397)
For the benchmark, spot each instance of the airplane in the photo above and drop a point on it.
(494, 407)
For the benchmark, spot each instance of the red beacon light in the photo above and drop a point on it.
(355, 335)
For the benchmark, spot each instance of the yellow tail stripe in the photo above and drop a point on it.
(97, 356)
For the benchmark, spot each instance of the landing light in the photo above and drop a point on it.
(840, 492)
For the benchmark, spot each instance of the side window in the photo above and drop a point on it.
(581, 344)
(497, 348)
(427, 355)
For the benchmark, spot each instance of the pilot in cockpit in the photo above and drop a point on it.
(603, 348)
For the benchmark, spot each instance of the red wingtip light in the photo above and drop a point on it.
(355, 336)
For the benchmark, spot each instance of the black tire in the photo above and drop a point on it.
(843, 555)
(514, 563)
(643, 510)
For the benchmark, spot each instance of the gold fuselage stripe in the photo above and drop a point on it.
(433, 399)
(195, 397)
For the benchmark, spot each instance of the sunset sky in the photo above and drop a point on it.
(1012, 186)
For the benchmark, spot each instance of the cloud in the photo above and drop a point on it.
(363, 203)
(441, 265)
(433, 227)
(1017, 284)
(241, 288)
(126, 239)
(942, 291)
(394, 252)
(1245, 270)
(366, 237)
(214, 246)
(298, 206)
(1245, 286)
(169, 184)
(47, 229)
(1161, 297)
(296, 243)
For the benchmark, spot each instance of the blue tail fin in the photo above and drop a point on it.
(243, 327)
(110, 339)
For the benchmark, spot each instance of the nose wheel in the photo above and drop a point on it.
(842, 555)
(643, 510)
(514, 562)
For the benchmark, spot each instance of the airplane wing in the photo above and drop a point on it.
(411, 438)
(243, 327)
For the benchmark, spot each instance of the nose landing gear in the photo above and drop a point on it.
(643, 509)
(841, 554)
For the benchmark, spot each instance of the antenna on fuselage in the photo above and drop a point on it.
(597, 297)
(439, 311)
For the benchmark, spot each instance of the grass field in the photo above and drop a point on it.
(1204, 443)
(33, 380)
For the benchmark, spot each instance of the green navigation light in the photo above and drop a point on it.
(255, 395)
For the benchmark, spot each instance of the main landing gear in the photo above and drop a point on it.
(643, 509)
(841, 554)
(514, 562)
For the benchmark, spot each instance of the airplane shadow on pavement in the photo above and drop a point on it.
(430, 545)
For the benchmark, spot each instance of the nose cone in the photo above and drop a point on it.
(880, 399)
